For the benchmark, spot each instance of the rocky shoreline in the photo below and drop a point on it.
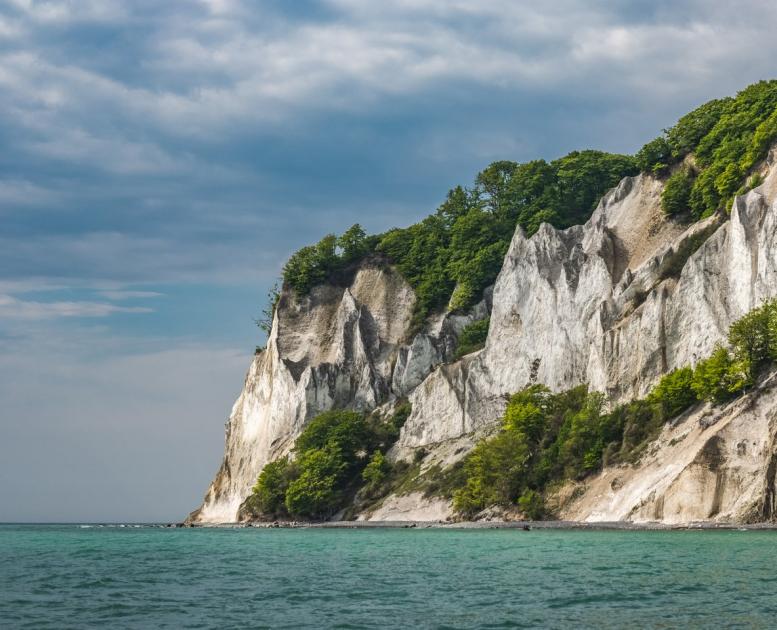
(523, 525)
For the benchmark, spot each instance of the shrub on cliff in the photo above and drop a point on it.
(314, 264)
(269, 494)
(546, 438)
(677, 192)
(375, 472)
(674, 392)
(753, 339)
(330, 461)
(472, 337)
(727, 138)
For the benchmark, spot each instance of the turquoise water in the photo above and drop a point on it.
(72, 577)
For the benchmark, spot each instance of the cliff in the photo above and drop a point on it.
(615, 303)
(339, 347)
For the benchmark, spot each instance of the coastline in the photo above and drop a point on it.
(522, 525)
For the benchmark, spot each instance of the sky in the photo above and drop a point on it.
(161, 160)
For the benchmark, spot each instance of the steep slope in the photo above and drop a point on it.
(588, 305)
(338, 347)
(710, 465)
(615, 304)
(569, 308)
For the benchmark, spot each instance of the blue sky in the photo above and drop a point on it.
(160, 160)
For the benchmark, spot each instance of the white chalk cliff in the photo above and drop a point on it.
(614, 303)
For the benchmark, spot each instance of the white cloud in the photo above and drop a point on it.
(14, 308)
(214, 71)
(63, 11)
(128, 295)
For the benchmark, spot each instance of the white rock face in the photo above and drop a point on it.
(340, 347)
(614, 303)
(591, 305)
(334, 348)
(714, 465)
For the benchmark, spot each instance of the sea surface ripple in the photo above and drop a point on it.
(66, 576)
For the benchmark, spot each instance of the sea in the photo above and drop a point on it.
(124, 576)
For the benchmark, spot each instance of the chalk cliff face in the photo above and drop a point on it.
(617, 303)
(339, 347)
(614, 303)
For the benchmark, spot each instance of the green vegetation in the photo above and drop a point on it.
(330, 460)
(677, 192)
(727, 138)
(548, 438)
(753, 347)
(315, 264)
(453, 254)
(472, 337)
(268, 312)
(545, 439)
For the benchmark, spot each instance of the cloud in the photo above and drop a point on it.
(13, 308)
(185, 148)
(129, 295)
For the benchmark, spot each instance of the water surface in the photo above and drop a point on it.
(81, 577)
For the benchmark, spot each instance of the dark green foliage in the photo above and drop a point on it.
(376, 471)
(676, 195)
(317, 491)
(715, 378)
(685, 136)
(494, 472)
(335, 453)
(727, 138)
(753, 339)
(269, 493)
(353, 244)
(546, 438)
(674, 392)
(472, 337)
(655, 156)
(753, 342)
(310, 265)
(452, 255)
(532, 505)
(346, 432)
(315, 264)
(463, 245)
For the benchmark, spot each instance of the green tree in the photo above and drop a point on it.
(714, 378)
(532, 505)
(353, 243)
(527, 412)
(655, 156)
(491, 185)
(345, 432)
(376, 471)
(315, 493)
(493, 472)
(269, 493)
(751, 337)
(674, 392)
(675, 198)
(472, 337)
